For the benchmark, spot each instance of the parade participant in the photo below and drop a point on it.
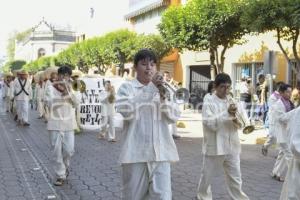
(295, 98)
(7, 93)
(271, 136)
(290, 189)
(22, 92)
(210, 91)
(47, 82)
(39, 93)
(108, 102)
(172, 127)
(261, 92)
(282, 115)
(148, 146)
(61, 123)
(221, 143)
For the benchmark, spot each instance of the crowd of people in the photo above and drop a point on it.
(150, 115)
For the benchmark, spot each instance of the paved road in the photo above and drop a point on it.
(26, 173)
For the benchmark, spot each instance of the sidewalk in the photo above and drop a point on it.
(193, 122)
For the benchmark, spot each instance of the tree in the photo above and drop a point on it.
(281, 16)
(155, 43)
(16, 37)
(13, 65)
(212, 25)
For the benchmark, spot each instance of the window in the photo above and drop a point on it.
(41, 52)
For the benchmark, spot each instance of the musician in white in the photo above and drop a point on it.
(148, 148)
(108, 102)
(7, 93)
(22, 92)
(272, 130)
(221, 144)
(61, 123)
(282, 113)
(290, 189)
(39, 93)
(47, 82)
(173, 126)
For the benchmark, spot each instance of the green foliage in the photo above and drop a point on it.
(154, 42)
(40, 64)
(14, 65)
(15, 37)
(204, 25)
(282, 16)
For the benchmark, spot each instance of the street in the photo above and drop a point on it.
(26, 172)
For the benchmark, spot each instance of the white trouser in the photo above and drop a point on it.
(231, 166)
(291, 185)
(22, 110)
(111, 128)
(62, 147)
(40, 107)
(270, 141)
(7, 104)
(173, 129)
(143, 181)
(283, 159)
(46, 111)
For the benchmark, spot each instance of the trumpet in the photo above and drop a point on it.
(240, 118)
(65, 86)
(180, 96)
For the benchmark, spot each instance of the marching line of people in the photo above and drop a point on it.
(150, 115)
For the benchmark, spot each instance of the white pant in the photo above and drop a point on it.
(22, 110)
(143, 181)
(111, 130)
(231, 166)
(62, 147)
(291, 185)
(283, 159)
(173, 129)
(270, 141)
(40, 107)
(8, 104)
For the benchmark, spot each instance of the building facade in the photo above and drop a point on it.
(44, 40)
(193, 68)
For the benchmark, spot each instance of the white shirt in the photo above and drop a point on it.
(220, 133)
(39, 92)
(295, 134)
(61, 111)
(17, 88)
(146, 133)
(281, 121)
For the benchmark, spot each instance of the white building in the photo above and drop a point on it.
(44, 40)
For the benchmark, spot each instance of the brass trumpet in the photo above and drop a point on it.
(247, 126)
(180, 95)
(78, 85)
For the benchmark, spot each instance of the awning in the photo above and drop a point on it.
(145, 9)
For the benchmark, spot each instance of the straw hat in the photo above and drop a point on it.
(77, 72)
(22, 72)
(49, 71)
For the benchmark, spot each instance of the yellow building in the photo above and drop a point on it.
(193, 68)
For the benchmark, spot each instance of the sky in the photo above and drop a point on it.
(19, 15)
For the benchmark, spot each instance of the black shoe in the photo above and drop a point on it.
(67, 172)
(176, 137)
(26, 124)
(264, 150)
(59, 182)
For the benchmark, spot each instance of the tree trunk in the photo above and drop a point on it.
(222, 58)
(212, 63)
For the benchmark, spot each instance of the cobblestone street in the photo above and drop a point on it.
(26, 173)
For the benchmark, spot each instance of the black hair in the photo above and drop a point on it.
(64, 70)
(210, 87)
(166, 72)
(261, 76)
(222, 78)
(144, 54)
(284, 87)
(278, 84)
